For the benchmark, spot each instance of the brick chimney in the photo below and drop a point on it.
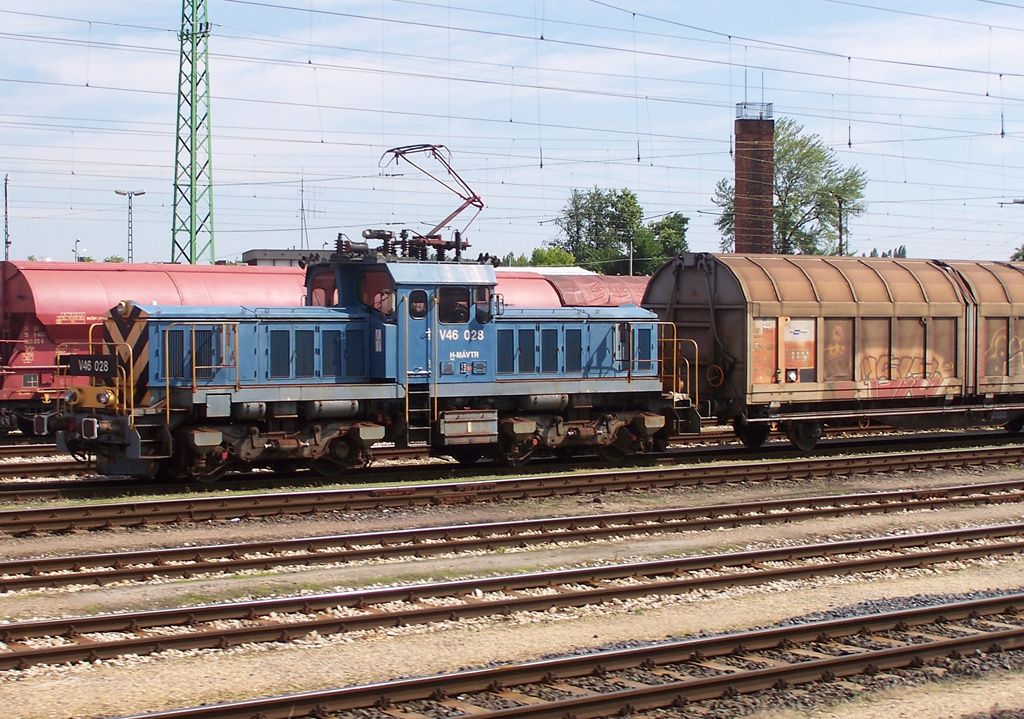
(755, 176)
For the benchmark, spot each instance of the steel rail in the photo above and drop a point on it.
(32, 449)
(187, 562)
(55, 468)
(537, 592)
(668, 662)
(206, 508)
(722, 443)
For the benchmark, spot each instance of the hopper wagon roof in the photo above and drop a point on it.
(998, 286)
(806, 281)
(535, 288)
(76, 293)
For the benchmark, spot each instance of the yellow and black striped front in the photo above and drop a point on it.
(126, 334)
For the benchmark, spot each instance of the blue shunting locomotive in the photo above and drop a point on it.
(391, 348)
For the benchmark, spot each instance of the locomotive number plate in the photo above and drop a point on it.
(91, 365)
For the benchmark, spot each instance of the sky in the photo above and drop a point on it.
(532, 99)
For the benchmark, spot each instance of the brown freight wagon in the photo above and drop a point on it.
(808, 341)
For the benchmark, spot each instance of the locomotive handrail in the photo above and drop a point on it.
(669, 374)
(129, 374)
(191, 326)
(122, 384)
(435, 368)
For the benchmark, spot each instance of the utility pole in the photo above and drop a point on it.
(839, 202)
(7, 226)
(192, 232)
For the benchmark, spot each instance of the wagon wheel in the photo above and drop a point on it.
(804, 435)
(1014, 426)
(752, 435)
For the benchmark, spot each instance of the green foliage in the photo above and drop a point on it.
(551, 257)
(900, 251)
(1018, 254)
(514, 260)
(540, 257)
(114, 258)
(809, 187)
(659, 241)
(599, 227)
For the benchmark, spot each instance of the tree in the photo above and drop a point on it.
(601, 227)
(514, 260)
(1018, 254)
(114, 258)
(814, 196)
(551, 257)
(900, 251)
(597, 226)
(659, 241)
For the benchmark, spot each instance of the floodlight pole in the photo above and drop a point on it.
(130, 194)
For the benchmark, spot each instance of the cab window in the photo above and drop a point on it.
(417, 304)
(372, 287)
(453, 305)
(322, 290)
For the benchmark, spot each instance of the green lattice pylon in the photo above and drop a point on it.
(192, 233)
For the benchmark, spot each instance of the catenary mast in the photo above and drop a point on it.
(192, 233)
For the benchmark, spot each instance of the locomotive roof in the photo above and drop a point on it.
(229, 313)
(441, 273)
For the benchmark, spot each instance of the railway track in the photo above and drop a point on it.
(210, 560)
(671, 674)
(28, 449)
(19, 521)
(98, 637)
(51, 468)
(715, 444)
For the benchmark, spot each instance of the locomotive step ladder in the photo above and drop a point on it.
(419, 414)
(154, 438)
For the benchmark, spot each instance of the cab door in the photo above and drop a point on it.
(418, 311)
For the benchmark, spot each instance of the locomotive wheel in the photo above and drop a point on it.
(804, 435)
(752, 435)
(512, 455)
(510, 461)
(1014, 426)
(285, 467)
(466, 456)
(610, 452)
(326, 467)
(210, 477)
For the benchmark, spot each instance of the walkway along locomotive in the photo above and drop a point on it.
(392, 348)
